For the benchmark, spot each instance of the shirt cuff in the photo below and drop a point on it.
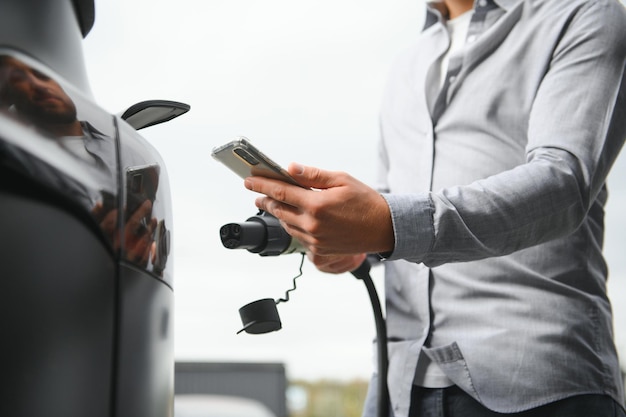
(414, 232)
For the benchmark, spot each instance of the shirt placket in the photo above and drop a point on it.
(481, 20)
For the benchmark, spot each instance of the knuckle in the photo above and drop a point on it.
(315, 173)
(315, 254)
(315, 209)
(314, 228)
(316, 251)
(280, 193)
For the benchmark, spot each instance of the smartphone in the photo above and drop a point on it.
(245, 160)
(141, 185)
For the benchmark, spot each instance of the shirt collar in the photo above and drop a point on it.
(506, 4)
(436, 9)
(91, 131)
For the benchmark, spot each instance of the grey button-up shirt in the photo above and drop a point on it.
(496, 185)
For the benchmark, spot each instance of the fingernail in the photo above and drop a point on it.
(247, 183)
(297, 169)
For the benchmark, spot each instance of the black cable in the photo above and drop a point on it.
(362, 273)
(284, 300)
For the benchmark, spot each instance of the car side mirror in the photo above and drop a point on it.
(152, 112)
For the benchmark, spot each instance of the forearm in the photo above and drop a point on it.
(535, 202)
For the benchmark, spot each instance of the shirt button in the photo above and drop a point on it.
(471, 38)
(452, 78)
(482, 3)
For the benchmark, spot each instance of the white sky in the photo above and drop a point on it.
(302, 80)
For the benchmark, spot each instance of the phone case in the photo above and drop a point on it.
(141, 185)
(245, 160)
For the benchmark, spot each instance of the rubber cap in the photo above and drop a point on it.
(260, 317)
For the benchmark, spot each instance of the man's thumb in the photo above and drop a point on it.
(311, 177)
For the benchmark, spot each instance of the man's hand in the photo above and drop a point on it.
(336, 264)
(138, 231)
(139, 234)
(339, 215)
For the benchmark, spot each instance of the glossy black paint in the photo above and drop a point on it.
(86, 229)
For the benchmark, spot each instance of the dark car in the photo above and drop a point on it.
(86, 229)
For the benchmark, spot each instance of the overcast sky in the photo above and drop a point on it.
(303, 81)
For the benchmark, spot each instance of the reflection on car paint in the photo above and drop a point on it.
(63, 142)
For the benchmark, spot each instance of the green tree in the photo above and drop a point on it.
(329, 398)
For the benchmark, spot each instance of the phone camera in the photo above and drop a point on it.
(136, 183)
(246, 156)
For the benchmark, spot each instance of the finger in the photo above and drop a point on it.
(277, 190)
(97, 210)
(282, 211)
(153, 253)
(305, 239)
(337, 264)
(139, 252)
(315, 177)
(109, 222)
(143, 211)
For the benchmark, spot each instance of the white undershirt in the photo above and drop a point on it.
(457, 28)
(76, 145)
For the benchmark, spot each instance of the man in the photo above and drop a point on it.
(39, 101)
(38, 98)
(499, 128)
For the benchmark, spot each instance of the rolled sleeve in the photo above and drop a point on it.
(412, 218)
